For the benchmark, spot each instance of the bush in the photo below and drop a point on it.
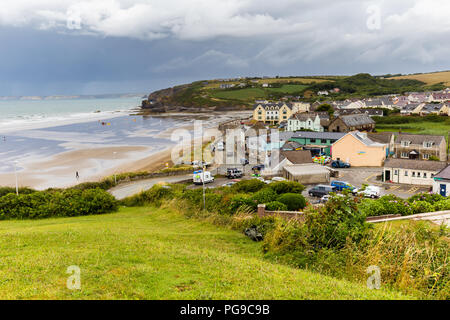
(241, 202)
(264, 196)
(430, 198)
(442, 205)
(248, 186)
(421, 207)
(276, 206)
(7, 190)
(281, 187)
(386, 205)
(152, 196)
(51, 203)
(293, 201)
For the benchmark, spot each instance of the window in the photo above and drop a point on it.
(395, 172)
(424, 175)
(413, 174)
(259, 112)
(406, 173)
(406, 143)
(418, 174)
(404, 155)
(313, 140)
(428, 144)
(426, 156)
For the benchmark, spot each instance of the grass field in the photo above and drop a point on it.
(250, 94)
(433, 128)
(146, 253)
(430, 78)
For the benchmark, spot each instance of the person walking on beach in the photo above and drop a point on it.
(77, 176)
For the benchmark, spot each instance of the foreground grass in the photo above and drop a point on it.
(147, 253)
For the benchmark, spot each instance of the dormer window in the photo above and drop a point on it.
(406, 143)
(428, 144)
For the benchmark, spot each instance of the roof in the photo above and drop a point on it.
(419, 138)
(354, 120)
(444, 173)
(274, 105)
(319, 135)
(306, 169)
(291, 145)
(303, 116)
(381, 137)
(297, 157)
(415, 164)
(364, 139)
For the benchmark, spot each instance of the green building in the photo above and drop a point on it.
(317, 142)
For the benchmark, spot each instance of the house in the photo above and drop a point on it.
(345, 112)
(291, 146)
(360, 122)
(412, 108)
(387, 138)
(226, 86)
(415, 172)
(317, 142)
(322, 93)
(371, 112)
(359, 150)
(356, 104)
(441, 182)
(314, 121)
(265, 85)
(435, 108)
(420, 147)
(300, 106)
(441, 96)
(307, 173)
(288, 158)
(272, 113)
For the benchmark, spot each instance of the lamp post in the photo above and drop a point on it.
(115, 176)
(15, 173)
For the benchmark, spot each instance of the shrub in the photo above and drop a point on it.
(281, 187)
(430, 198)
(293, 201)
(276, 206)
(152, 196)
(241, 202)
(386, 205)
(7, 190)
(264, 196)
(421, 207)
(54, 203)
(442, 205)
(248, 186)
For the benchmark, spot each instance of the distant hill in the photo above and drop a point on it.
(429, 78)
(241, 93)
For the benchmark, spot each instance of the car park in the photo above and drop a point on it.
(342, 185)
(340, 164)
(321, 190)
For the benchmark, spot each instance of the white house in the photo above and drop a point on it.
(412, 172)
(309, 121)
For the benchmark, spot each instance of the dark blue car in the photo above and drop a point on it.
(342, 185)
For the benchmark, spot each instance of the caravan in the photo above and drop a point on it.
(201, 177)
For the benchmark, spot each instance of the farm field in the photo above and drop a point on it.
(148, 253)
(429, 78)
(250, 94)
(433, 128)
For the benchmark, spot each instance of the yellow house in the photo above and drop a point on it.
(358, 150)
(272, 113)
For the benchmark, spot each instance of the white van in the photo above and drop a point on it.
(369, 192)
(200, 177)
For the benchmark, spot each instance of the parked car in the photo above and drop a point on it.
(244, 161)
(369, 192)
(200, 177)
(342, 185)
(327, 197)
(258, 167)
(321, 190)
(233, 173)
(228, 184)
(274, 179)
(340, 164)
(321, 159)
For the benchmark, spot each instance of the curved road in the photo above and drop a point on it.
(130, 188)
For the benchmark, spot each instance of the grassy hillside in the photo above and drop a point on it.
(429, 78)
(434, 125)
(146, 253)
(209, 94)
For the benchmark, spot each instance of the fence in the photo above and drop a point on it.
(289, 215)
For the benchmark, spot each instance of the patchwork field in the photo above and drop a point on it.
(147, 253)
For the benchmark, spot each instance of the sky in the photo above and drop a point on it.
(50, 47)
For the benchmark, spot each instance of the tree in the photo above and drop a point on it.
(325, 107)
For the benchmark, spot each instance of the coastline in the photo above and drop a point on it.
(96, 162)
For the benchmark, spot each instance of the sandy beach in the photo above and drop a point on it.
(145, 149)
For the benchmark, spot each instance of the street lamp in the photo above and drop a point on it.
(15, 173)
(115, 176)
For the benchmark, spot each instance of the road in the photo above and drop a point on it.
(130, 188)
